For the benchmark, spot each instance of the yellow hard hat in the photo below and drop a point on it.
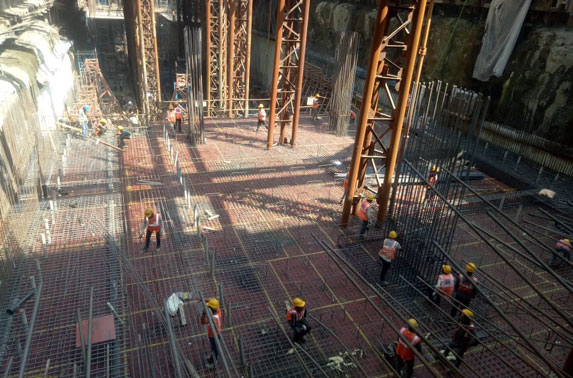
(566, 241)
(298, 302)
(468, 313)
(170, 107)
(148, 212)
(413, 323)
(379, 109)
(260, 105)
(120, 128)
(392, 235)
(369, 198)
(317, 95)
(471, 267)
(447, 269)
(434, 168)
(213, 303)
(102, 121)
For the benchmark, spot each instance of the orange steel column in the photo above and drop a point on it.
(422, 50)
(275, 79)
(398, 121)
(231, 58)
(380, 27)
(300, 74)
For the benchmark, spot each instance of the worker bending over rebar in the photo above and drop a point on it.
(213, 305)
(151, 224)
(463, 338)
(296, 317)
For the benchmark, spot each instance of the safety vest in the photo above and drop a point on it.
(171, 116)
(465, 285)
(388, 251)
(362, 212)
(563, 245)
(217, 321)
(153, 224)
(294, 316)
(346, 181)
(315, 103)
(446, 284)
(403, 350)
(178, 113)
(262, 114)
(433, 179)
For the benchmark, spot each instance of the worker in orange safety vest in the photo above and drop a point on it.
(179, 116)
(444, 286)
(296, 318)
(388, 253)
(315, 106)
(363, 212)
(404, 353)
(464, 289)
(262, 117)
(151, 224)
(213, 305)
(562, 246)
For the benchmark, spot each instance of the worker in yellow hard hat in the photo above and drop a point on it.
(100, 127)
(464, 289)
(444, 286)
(151, 224)
(315, 107)
(123, 135)
(463, 338)
(214, 307)
(432, 180)
(404, 353)
(364, 212)
(262, 117)
(387, 254)
(296, 318)
(171, 116)
(179, 113)
(562, 246)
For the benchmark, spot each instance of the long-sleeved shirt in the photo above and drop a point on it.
(82, 117)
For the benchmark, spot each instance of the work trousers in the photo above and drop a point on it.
(214, 351)
(299, 333)
(178, 124)
(364, 227)
(84, 130)
(409, 366)
(259, 124)
(461, 301)
(385, 267)
(314, 113)
(148, 239)
(459, 352)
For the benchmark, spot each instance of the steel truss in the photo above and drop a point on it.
(150, 59)
(216, 26)
(392, 59)
(290, 46)
(240, 19)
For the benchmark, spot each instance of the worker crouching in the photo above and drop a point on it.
(464, 289)
(151, 224)
(463, 338)
(123, 135)
(213, 306)
(387, 254)
(404, 353)
(296, 317)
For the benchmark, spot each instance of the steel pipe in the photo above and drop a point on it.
(26, 351)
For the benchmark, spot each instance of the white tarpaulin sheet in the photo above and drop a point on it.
(502, 27)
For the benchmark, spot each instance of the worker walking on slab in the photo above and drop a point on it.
(213, 305)
(83, 120)
(179, 116)
(463, 338)
(464, 289)
(151, 224)
(562, 246)
(388, 253)
(404, 353)
(171, 116)
(444, 286)
(262, 117)
(315, 107)
(364, 212)
(296, 318)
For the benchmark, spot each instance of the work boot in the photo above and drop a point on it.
(145, 249)
(385, 283)
(157, 249)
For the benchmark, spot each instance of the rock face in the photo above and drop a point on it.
(534, 93)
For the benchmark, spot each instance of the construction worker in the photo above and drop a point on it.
(151, 224)
(171, 115)
(345, 187)
(562, 246)
(100, 128)
(123, 135)
(432, 179)
(364, 212)
(353, 118)
(464, 289)
(444, 286)
(213, 305)
(463, 338)
(404, 353)
(388, 253)
(262, 116)
(179, 116)
(315, 106)
(83, 120)
(296, 318)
